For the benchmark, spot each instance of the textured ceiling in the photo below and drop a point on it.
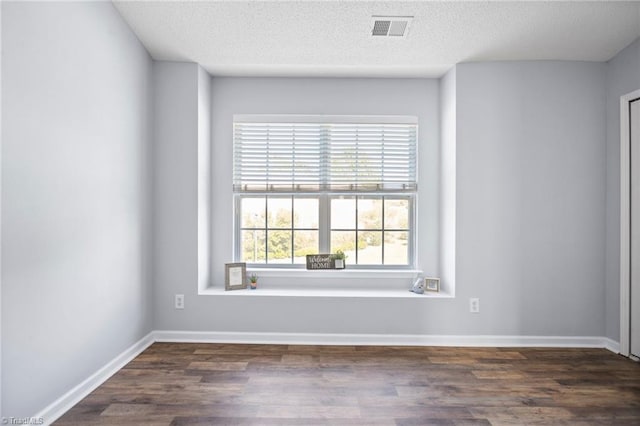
(332, 38)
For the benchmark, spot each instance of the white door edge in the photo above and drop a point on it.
(625, 228)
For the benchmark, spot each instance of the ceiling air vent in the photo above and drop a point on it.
(390, 26)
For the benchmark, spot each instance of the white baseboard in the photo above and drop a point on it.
(56, 409)
(63, 404)
(381, 339)
(611, 345)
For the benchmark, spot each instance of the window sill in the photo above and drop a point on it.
(347, 283)
(329, 292)
(335, 273)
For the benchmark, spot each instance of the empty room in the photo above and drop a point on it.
(320, 212)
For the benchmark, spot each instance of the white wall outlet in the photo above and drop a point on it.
(179, 301)
(474, 305)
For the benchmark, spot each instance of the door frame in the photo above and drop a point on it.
(625, 222)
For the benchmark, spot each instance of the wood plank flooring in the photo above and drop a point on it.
(209, 384)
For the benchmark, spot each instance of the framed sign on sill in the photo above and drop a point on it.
(235, 276)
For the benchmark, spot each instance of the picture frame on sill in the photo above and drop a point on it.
(235, 276)
(432, 284)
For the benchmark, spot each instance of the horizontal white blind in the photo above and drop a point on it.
(315, 157)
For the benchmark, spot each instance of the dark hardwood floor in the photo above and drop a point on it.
(207, 384)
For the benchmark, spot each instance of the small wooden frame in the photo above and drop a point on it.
(432, 284)
(235, 276)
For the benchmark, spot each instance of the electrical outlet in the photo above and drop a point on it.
(474, 305)
(179, 301)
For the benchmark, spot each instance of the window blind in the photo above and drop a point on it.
(324, 157)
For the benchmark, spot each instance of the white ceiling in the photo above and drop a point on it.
(332, 38)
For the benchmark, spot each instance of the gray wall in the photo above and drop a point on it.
(530, 196)
(530, 203)
(175, 198)
(76, 109)
(623, 76)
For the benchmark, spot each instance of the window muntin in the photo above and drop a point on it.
(304, 187)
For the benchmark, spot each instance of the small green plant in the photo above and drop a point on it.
(339, 254)
(253, 278)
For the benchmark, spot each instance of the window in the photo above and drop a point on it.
(306, 185)
(374, 229)
(278, 229)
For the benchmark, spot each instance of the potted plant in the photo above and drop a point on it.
(338, 258)
(253, 281)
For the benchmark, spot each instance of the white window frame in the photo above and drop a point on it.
(324, 197)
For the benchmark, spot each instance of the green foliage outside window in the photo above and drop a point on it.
(274, 238)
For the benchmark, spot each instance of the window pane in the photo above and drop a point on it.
(304, 243)
(345, 241)
(396, 248)
(253, 247)
(305, 213)
(370, 248)
(343, 213)
(396, 214)
(279, 212)
(369, 213)
(252, 212)
(279, 247)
